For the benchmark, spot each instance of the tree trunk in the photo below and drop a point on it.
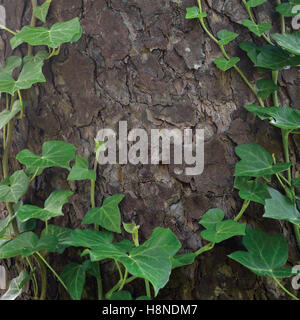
(142, 62)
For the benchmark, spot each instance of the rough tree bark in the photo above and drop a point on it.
(141, 61)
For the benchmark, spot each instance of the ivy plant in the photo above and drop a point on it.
(259, 176)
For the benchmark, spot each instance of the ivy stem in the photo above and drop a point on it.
(35, 285)
(239, 71)
(282, 21)
(243, 209)
(52, 270)
(43, 272)
(117, 285)
(124, 281)
(284, 289)
(8, 30)
(207, 247)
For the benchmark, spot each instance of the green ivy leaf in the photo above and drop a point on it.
(255, 3)
(47, 242)
(53, 207)
(16, 286)
(252, 190)
(183, 259)
(286, 8)
(14, 187)
(54, 154)
(151, 260)
(218, 230)
(226, 36)
(262, 113)
(266, 254)
(41, 12)
(24, 245)
(73, 276)
(61, 234)
(108, 216)
(285, 117)
(258, 29)
(288, 41)
(193, 13)
(80, 171)
(266, 87)
(7, 115)
(224, 64)
(120, 295)
(59, 33)
(256, 162)
(296, 182)
(11, 64)
(280, 207)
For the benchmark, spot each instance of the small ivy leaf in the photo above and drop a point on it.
(4, 225)
(16, 286)
(184, 259)
(24, 245)
(108, 216)
(130, 227)
(296, 182)
(92, 268)
(14, 187)
(266, 87)
(252, 190)
(54, 154)
(6, 115)
(53, 207)
(224, 64)
(60, 234)
(73, 276)
(193, 12)
(286, 8)
(266, 254)
(218, 230)
(262, 113)
(41, 12)
(80, 171)
(11, 64)
(59, 33)
(258, 29)
(120, 295)
(256, 162)
(288, 41)
(280, 207)
(255, 3)
(226, 36)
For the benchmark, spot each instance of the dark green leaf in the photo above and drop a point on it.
(296, 182)
(281, 208)
(61, 234)
(256, 162)
(108, 216)
(184, 259)
(286, 9)
(266, 254)
(258, 29)
(266, 87)
(288, 41)
(120, 295)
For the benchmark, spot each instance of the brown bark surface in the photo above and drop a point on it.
(141, 61)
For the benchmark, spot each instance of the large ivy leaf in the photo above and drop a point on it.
(194, 12)
(14, 187)
(61, 234)
(53, 207)
(288, 41)
(251, 190)
(285, 117)
(16, 286)
(59, 33)
(281, 208)
(269, 57)
(217, 229)
(108, 216)
(256, 162)
(226, 36)
(286, 8)
(151, 260)
(80, 171)
(73, 276)
(41, 12)
(224, 64)
(266, 254)
(24, 245)
(54, 154)
(258, 29)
